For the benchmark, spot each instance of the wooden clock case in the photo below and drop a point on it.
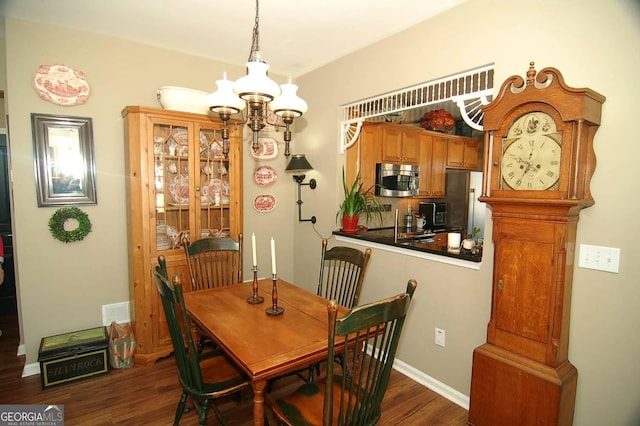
(522, 374)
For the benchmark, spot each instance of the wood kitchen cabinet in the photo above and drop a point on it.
(463, 153)
(178, 184)
(401, 143)
(434, 152)
(433, 159)
(365, 154)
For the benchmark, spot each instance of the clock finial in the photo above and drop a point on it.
(531, 73)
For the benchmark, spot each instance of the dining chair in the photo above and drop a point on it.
(351, 394)
(214, 262)
(204, 377)
(342, 272)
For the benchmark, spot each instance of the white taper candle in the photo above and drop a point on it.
(273, 256)
(253, 247)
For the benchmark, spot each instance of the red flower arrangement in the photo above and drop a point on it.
(438, 119)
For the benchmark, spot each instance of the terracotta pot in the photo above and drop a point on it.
(350, 223)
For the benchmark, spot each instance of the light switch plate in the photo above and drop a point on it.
(600, 258)
(440, 337)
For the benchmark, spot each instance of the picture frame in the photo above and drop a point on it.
(64, 160)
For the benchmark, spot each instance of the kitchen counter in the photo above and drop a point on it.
(407, 240)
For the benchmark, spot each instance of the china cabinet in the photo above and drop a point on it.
(179, 184)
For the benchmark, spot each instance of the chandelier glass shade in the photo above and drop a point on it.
(259, 94)
(256, 86)
(289, 104)
(224, 100)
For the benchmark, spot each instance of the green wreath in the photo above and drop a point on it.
(57, 221)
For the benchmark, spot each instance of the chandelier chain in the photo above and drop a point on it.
(255, 38)
(252, 95)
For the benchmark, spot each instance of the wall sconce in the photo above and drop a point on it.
(298, 165)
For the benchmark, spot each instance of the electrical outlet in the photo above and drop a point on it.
(382, 208)
(440, 337)
(600, 258)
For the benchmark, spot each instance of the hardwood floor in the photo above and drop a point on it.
(149, 395)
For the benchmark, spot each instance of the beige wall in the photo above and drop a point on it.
(594, 44)
(63, 286)
(3, 81)
(591, 42)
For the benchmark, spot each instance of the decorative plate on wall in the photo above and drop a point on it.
(267, 149)
(265, 176)
(264, 203)
(61, 85)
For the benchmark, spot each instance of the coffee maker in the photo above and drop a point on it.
(434, 213)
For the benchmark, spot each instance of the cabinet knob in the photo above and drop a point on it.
(198, 188)
(500, 285)
(495, 163)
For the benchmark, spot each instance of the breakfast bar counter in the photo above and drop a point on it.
(430, 245)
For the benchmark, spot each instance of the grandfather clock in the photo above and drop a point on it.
(539, 146)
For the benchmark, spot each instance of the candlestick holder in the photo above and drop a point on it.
(254, 299)
(274, 309)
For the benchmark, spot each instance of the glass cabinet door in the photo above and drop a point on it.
(191, 182)
(215, 189)
(172, 183)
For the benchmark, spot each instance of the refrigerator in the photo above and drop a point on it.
(464, 211)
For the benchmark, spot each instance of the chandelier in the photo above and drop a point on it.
(258, 94)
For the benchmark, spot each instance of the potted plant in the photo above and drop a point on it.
(357, 200)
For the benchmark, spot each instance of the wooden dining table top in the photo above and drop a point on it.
(264, 346)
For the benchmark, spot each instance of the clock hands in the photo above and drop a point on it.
(524, 173)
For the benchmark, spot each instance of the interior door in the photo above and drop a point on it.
(8, 289)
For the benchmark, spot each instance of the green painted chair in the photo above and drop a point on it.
(356, 382)
(213, 262)
(204, 378)
(342, 272)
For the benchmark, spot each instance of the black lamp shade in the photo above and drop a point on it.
(298, 164)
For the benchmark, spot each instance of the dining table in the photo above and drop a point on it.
(264, 346)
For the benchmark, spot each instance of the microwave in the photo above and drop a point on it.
(397, 180)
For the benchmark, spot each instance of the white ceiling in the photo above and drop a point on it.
(296, 36)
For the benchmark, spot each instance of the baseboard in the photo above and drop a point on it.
(31, 369)
(21, 350)
(435, 385)
(424, 379)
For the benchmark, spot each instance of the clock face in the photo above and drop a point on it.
(531, 153)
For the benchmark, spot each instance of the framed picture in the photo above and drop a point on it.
(64, 161)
